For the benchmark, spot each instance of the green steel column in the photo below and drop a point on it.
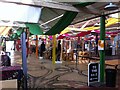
(102, 52)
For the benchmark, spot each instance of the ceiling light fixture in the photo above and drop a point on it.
(96, 24)
(110, 7)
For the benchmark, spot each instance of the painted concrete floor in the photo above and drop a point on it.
(43, 74)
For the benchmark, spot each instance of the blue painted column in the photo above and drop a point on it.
(24, 58)
(102, 52)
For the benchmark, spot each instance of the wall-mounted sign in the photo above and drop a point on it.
(100, 44)
(93, 73)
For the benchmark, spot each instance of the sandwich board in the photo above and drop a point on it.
(93, 73)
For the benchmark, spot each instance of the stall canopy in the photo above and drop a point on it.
(109, 22)
(14, 36)
(63, 36)
(34, 28)
(82, 34)
(4, 30)
(19, 31)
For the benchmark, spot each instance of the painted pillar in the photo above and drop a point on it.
(96, 40)
(54, 50)
(102, 52)
(61, 54)
(24, 58)
(83, 46)
(27, 37)
(77, 49)
(28, 46)
(36, 46)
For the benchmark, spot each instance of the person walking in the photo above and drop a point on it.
(42, 49)
(58, 51)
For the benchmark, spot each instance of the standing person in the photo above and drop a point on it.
(42, 49)
(50, 48)
(5, 60)
(3, 45)
(39, 45)
(59, 46)
(58, 51)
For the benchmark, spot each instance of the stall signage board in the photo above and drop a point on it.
(100, 44)
(93, 73)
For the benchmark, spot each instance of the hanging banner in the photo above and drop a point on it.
(100, 44)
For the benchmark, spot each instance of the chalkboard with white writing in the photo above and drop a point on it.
(93, 72)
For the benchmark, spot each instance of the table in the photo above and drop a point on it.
(10, 72)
